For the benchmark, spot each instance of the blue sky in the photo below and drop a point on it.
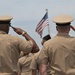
(27, 13)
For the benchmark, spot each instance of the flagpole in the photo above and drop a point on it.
(48, 24)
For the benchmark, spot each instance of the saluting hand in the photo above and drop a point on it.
(18, 30)
(72, 27)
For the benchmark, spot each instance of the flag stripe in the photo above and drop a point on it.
(39, 25)
(45, 24)
(42, 24)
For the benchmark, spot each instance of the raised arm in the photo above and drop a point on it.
(28, 37)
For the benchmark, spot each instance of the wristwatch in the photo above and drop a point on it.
(23, 33)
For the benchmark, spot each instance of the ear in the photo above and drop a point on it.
(7, 28)
(69, 28)
(57, 28)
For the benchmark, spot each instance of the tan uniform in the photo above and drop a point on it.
(60, 53)
(9, 52)
(34, 63)
(24, 64)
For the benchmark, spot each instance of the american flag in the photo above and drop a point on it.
(42, 24)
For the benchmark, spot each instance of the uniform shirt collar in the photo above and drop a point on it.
(63, 34)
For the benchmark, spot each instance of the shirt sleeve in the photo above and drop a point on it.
(18, 65)
(25, 45)
(33, 64)
(43, 56)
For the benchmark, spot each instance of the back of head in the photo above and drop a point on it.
(63, 22)
(5, 23)
(45, 38)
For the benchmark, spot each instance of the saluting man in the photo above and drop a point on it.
(60, 50)
(10, 46)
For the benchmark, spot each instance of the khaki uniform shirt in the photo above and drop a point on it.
(24, 64)
(60, 53)
(10, 47)
(34, 63)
